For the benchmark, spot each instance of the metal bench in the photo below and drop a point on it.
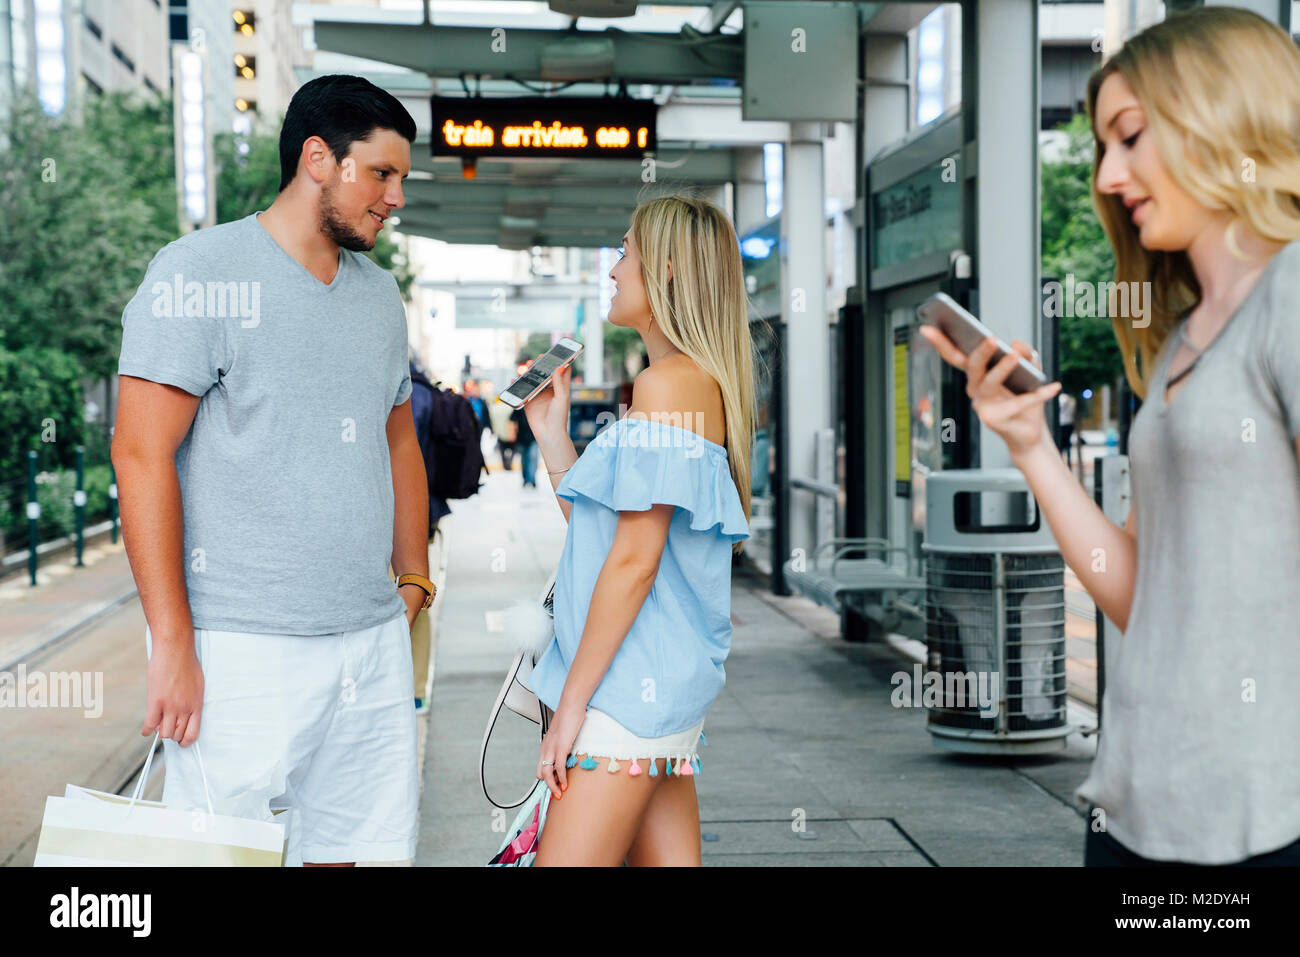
(833, 580)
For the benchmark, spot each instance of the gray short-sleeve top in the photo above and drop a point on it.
(1199, 754)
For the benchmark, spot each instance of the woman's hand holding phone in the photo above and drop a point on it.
(1018, 419)
(548, 411)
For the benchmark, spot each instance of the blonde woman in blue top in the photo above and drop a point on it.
(656, 506)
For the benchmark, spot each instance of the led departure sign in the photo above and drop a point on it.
(621, 128)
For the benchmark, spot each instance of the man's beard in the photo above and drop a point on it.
(333, 226)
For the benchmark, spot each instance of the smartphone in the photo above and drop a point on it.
(967, 333)
(539, 373)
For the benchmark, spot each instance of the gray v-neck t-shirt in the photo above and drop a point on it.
(286, 484)
(1199, 754)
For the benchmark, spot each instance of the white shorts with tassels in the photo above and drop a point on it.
(602, 737)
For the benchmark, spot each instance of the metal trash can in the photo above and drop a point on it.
(994, 616)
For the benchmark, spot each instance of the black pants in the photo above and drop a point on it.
(1102, 850)
(1067, 432)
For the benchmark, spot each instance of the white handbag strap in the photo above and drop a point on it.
(546, 598)
(487, 734)
(144, 776)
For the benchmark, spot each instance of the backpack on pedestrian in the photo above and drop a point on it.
(454, 433)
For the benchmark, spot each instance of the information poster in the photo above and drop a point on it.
(902, 417)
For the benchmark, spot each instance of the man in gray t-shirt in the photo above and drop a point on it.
(269, 474)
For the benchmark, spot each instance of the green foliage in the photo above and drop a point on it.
(58, 514)
(82, 211)
(41, 410)
(619, 341)
(97, 480)
(534, 345)
(1074, 243)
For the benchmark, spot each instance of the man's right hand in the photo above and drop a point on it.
(174, 694)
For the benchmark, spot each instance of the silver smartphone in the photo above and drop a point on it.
(535, 379)
(967, 333)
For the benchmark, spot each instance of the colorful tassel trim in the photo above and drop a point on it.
(679, 766)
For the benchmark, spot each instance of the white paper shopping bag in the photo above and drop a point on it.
(88, 828)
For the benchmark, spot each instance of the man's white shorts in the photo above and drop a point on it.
(323, 724)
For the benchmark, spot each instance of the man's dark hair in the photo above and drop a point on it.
(340, 109)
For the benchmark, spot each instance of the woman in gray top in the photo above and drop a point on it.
(1196, 179)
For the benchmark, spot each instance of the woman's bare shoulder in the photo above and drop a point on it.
(677, 386)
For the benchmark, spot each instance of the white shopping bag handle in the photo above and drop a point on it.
(144, 775)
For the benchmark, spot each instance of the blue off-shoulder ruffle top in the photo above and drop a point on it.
(668, 669)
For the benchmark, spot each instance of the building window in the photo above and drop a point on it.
(245, 22)
(150, 84)
(91, 85)
(93, 28)
(178, 27)
(122, 57)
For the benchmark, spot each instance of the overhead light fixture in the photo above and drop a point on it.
(594, 8)
(577, 58)
(468, 167)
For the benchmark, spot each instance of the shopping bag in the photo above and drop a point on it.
(88, 828)
(522, 839)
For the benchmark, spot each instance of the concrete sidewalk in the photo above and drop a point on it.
(804, 730)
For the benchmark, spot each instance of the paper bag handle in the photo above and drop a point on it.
(144, 775)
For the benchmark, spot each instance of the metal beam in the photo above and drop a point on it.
(711, 166)
(488, 218)
(439, 192)
(497, 51)
(493, 237)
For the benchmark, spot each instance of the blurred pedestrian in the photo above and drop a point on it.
(1068, 406)
(526, 447)
(506, 431)
(423, 395)
(1197, 762)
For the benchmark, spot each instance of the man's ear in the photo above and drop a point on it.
(316, 158)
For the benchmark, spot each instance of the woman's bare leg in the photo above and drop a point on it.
(670, 827)
(594, 823)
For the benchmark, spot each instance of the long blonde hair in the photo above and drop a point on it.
(703, 309)
(1220, 87)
